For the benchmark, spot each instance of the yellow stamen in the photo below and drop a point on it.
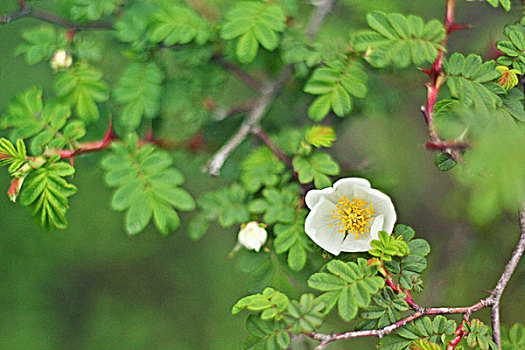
(353, 216)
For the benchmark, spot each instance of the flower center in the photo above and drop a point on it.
(353, 216)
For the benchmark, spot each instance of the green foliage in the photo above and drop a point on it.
(81, 86)
(514, 48)
(91, 10)
(40, 44)
(45, 192)
(398, 40)
(504, 3)
(16, 157)
(305, 315)
(320, 136)
(177, 24)
(298, 50)
(277, 205)
(254, 23)
(261, 168)
(270, 302)
(471, 81)
(291, 238)
(479, 335)
(227, 205)
(421, 344)
(514, 339)
(138, 91)
(388, 246)
(350, 285)
(316, 167)
(334, 84)
(147, 187)
(444, 162)
(132, 25)
(409, 268)
(386, 309)
(48, 125)
(265, 335)
(425, 328)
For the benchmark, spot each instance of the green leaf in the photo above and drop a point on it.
(138, 91)
(292, 238)
(227, 205)
(424, 328)
(47, 125)
(147, 187)
(470, 80)
(444, 162)
(335, 84)
(315, 168)
(81, 86)
(278, 205)
(92, 10)
(351, 284)
(247, 48)
(40, 44)
(16, 157)
(177, 24)
(261, 168)
(266, 334)
(46, 192)
(253, 23)
(398, 40)
(388, 246)
(320, 136)
(386, 309)
(270, 302)
(504, 3)
(132, 25)
(514, 48)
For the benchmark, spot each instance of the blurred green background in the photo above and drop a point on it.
(94, 287)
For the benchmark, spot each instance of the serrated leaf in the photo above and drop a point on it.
(261, 168)
(335, 84)
(350, 284)
(315, 168)
(176, 24)
(92, 10)
(40, 44)
(138, 91)
(147, 187)
(398, 40)
(46, 192)
(81, 87)
(253, 23)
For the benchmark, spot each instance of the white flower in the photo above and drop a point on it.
(347, 216)
(252, 236)
(61, 60)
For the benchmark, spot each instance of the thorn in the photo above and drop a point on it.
(426, 71)
(455, 27)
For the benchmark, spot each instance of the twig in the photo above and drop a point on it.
(328, 338)
(239, 73)
(261, 104)
(52, 18)
(504, 279)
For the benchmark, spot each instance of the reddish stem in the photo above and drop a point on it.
(436, 76)
(459, 335)
(108, 139)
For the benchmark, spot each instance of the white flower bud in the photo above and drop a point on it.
(61, 60)
(252, 236)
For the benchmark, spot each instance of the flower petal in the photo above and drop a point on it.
(381, 203)
(344, 186)
(377, 226)
(361, 244)
(317, 227)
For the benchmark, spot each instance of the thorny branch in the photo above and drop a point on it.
(268, 91)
